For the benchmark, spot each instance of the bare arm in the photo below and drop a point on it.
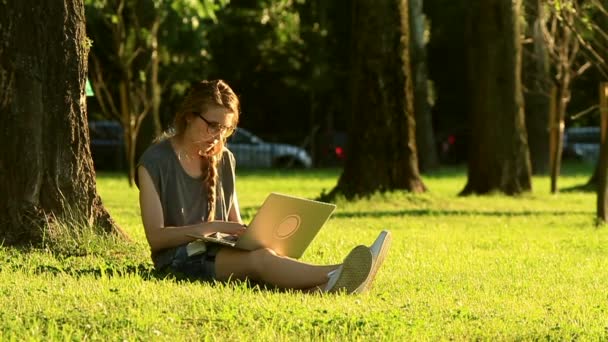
(235, 212)
(159, 236)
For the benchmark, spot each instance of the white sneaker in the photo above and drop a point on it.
(378, 249)
(351, 276)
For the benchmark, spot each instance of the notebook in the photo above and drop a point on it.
(285, 224)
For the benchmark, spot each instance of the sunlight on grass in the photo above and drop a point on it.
(478, 267)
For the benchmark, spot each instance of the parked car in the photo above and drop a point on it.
(582, 143)
(252, 152)
(107, 145)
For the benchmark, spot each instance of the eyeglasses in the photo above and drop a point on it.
(216, 127)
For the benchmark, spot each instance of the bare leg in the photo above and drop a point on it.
(266, 266)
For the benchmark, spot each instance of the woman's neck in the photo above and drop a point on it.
(184, 149)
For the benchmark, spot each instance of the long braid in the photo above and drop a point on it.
(211, 180)
(201, 97)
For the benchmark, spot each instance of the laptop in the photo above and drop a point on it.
(285, 224)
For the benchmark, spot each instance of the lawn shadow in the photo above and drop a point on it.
(147, 272)
(443, 212)
(144, 271)
(434, 212)
(587, 187)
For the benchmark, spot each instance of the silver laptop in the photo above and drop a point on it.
(285, 224)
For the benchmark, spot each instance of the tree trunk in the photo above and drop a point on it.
(46, 169)
(592, 183)
(382, 146)
(602, 169)
(498, 150)
(558, 116)
(425, 138)
(563, 44)
(538, 87)
(156, 90)
(127, 121)
(602, 190)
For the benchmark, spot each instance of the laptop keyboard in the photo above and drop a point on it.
(224, 236)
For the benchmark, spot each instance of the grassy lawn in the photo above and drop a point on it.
(491, 267)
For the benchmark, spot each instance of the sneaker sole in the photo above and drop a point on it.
(376, 263)
(356, 269)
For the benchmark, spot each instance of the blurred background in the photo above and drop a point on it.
(289, 62)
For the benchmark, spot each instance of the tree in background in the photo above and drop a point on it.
(498, 150)
(382, 146)
(325, 27)
(46, 170)
(566, 64)
(588, 22)
(537, 84)
(276, 54)
(602, 188)
(425, 136)
(131, 71)
(448, 70)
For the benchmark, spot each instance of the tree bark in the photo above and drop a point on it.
(498, 150)
(46, 169)
(602, 169)
(564, 48)
(156, 90)
(558, 119)
(425, 138)
(537, 83)
(602, 28)
(382, 147)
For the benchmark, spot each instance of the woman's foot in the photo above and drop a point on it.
(352, 275)
(379, 250)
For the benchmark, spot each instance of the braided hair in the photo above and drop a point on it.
(201, 97)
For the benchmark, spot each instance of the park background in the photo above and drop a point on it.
(520, 257)
(292, 64)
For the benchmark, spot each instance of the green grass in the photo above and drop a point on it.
(487, 267)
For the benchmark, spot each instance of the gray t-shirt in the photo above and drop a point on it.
(182, 197)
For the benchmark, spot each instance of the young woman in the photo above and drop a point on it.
(187, 186)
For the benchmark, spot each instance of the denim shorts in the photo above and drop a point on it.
(197, 267)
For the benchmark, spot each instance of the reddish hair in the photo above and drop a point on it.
(201, 97)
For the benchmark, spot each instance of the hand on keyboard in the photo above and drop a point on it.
(224, 236)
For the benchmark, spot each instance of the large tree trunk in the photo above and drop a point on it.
(425, 138)
(382, 146)
(537, 82)
(46, 170)
(498, 150)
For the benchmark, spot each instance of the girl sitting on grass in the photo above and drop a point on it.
(187, 186)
